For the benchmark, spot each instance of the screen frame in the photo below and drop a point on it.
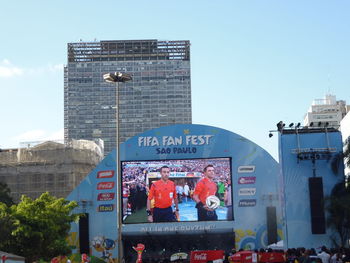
(121, 214)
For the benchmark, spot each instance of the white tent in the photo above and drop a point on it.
(178, 256)
(278, 245)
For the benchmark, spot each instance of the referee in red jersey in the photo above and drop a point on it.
(204, 188)
(164, 194)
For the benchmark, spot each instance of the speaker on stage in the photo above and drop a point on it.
(271, 223)
(84, 234)
(318, 220)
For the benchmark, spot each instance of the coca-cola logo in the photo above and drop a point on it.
(201, 256)
(105, 185)
(246, 180)
(105, 174)
(105, 196)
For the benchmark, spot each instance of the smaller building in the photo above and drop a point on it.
(326, 112)
(48, 166)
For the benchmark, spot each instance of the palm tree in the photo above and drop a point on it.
(338, 208)
(346, 153)
(338, 203)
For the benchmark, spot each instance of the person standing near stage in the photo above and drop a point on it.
(228, 200)
(163, 192)
(186, 191)
(204, 188)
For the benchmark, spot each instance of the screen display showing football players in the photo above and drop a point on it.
(176, 190)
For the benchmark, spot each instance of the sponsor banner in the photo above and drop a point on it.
(105, 174)
(105, 196)
(176, 174)
(247, 191)
(247, 202)
(246, 180)
(207, 256)
(181, 228)
(246, 169)
(105, 208)
(105, 185)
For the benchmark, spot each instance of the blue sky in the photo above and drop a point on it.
(253, 63)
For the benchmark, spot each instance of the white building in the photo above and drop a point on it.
(326, 110)
(345, 131)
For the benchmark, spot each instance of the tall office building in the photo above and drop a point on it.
(158, 95)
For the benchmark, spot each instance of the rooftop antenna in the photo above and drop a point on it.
(329, 83)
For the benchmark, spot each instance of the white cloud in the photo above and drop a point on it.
(56, 135)
(6, 61)
(7, 70)
(39, 135)
(55, 68)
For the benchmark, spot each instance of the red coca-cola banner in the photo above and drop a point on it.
(203, 256)
(105, 185)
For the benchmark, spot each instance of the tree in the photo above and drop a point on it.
(347, 153)
(341, 158)
(5, 196)
(6, 226)
(338, 208)
(40, 227)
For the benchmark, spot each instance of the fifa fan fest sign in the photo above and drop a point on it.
(244, 179)
(180, 144)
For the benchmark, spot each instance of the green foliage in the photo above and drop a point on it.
(39, 227)
(5, 196)
(337, 162)
(6, 226)
(338, 208)
(347, 153)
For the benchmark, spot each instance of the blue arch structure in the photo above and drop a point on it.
(254, 175)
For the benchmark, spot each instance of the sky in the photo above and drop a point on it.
(253, 63)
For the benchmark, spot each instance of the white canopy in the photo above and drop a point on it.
(278, 245)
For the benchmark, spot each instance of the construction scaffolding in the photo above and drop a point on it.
(48, 166)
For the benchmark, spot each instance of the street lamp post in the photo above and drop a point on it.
(118, 77)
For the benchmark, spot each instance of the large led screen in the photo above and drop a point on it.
(176, 190)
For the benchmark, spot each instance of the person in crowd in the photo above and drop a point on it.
(186, 191)
(346, 256)
(126, 193)
(179, 192)
(324, 255)
(228, 200)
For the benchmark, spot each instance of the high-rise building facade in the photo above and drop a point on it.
(159, 93)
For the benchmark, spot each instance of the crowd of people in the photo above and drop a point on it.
(292, 255)
(325, 255)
